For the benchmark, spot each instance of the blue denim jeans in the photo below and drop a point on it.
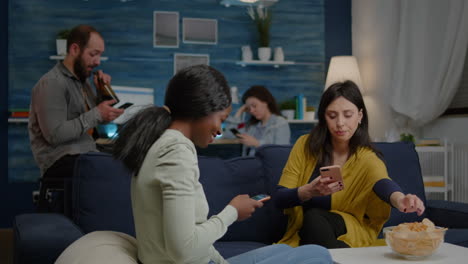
(281, 253)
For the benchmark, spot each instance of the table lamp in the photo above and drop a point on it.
(343, 68)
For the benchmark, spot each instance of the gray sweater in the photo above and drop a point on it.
(170, 208)
(275, 131)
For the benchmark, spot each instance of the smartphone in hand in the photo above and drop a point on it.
(235, 132)
(333, 171)
(125, 106)
(261, 197)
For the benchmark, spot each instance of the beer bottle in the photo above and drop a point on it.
(105, 92)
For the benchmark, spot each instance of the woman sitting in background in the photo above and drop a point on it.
(332, 213)
(265, 126)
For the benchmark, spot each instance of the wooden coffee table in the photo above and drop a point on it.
(446, 254)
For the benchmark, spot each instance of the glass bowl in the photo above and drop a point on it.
(413, 245)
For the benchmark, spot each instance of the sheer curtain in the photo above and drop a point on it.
(429, 59)
(411, 55)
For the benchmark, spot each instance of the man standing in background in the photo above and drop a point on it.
(63, 110)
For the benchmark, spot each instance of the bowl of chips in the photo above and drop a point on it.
(414, 240)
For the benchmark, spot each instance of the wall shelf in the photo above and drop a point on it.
(295, 121)
(18, 120)
(444, 189)
(59, 57)
(275, 64)
(430, 148)
(264, 3)
(437, 168)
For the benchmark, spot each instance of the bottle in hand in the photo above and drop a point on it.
(105, 92)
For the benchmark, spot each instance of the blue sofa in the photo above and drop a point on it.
(101, 201)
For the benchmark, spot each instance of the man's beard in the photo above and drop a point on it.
(80, 69)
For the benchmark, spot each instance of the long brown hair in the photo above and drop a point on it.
(319, 143)
(262, 94)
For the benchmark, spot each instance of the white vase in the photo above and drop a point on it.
(289, 114)
(246, 53)
(264, 53)
(61, 46)
(235, 95)
(309, 116)
(279, 55)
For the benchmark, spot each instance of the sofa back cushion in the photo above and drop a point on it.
(274, 158)
(403, 167)
(101, 194)
(222, 180)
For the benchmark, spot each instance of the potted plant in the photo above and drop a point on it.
(310, 113)
(61, 42)
(262, 20)
(407, 137)
(288, 108)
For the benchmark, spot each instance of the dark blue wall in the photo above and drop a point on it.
(4, 212)
(16, 197)
(127, 28)
(338, 38)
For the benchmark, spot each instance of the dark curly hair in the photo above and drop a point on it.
(193, 93)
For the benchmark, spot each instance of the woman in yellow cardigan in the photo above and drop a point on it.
(332, 213)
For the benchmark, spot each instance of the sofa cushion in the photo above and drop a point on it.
(448, 214)
(403, 167)
(222, 180)
(274, 158)
(229, 249)
(457, 236)
(30, 229)
(102, 202)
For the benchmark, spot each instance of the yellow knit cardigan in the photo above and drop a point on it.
(364, 213)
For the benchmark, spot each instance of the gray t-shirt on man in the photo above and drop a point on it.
(59, 118)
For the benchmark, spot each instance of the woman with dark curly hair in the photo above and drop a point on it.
(169, 206)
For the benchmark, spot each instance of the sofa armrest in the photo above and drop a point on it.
(448, 214)
(41, 238)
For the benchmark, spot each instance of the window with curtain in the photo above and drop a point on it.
(459, 104)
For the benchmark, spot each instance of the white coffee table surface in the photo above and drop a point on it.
(446, 254)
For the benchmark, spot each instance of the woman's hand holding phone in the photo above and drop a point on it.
(235, 132)
(245, 206)
(333, 172)
(318, 187)
(248, 140)
(261, 197)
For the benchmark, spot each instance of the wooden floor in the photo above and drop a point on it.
(6, 246)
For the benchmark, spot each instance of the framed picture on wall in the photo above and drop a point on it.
(183, 60)
(200, 31)
(165, 29)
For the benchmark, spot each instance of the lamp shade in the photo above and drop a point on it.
(343, 68)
